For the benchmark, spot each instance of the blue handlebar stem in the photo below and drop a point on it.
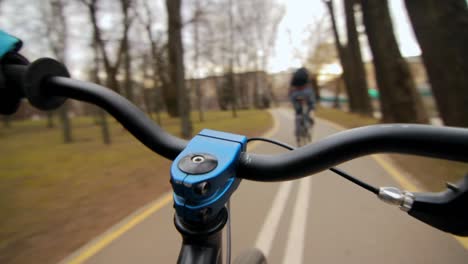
(203, 174)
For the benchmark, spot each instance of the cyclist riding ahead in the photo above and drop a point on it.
(302, 96)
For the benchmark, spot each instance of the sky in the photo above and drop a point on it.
(294, 31)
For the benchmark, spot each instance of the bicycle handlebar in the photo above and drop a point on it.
(423, 140)
(46, 84)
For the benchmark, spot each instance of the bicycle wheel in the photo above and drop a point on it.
(251, 256)
(310, 130)
(298, 129)
(305, 135)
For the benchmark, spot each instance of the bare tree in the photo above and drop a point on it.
(176, 65)
(342, 54)
(441, 28)
(149, 95)
(399, 99)
(362, 103)
(350, 58)
(56, 26)
(101, 114)
(322, 51)
(253, 35)
(265, 26)
(125, 6)
(196, 40)
(158, 48)
(231, 80)
(110, 68)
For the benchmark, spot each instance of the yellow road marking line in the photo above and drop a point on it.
(462, 240)
(111, 236)
(94, 248)
(397, 176)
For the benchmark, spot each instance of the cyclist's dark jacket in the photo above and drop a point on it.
(306, 93)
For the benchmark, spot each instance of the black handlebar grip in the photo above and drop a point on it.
(30, 79)
(34, 77)
(11, 69)
(447, 211)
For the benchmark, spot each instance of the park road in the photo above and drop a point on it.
(318, 219)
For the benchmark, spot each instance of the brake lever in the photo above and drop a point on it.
(446, 211)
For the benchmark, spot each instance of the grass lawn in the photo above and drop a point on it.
(54, 197)
(432, 173)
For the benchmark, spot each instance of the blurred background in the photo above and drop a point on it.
(208, 63)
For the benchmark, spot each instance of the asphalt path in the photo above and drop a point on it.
(318, 219)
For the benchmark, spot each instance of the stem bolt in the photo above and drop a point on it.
(202, 188)
(198, 159)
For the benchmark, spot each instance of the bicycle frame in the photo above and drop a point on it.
(201, 244)
(302, 125)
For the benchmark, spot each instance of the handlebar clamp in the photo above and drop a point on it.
(203, 175)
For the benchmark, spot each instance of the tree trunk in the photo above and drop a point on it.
(232, 94)
(196, 36)
(232, 84)
(104, 127)
(339, 84)
(171, 91)
(58, 27)
(157, 108)
(400, 101)
(127, 74)
(101, 114)
(356, 67)
(50, 119)
(125, 5)
(176, 66)
(344, 59)
(441, 28)
(199, 94)
(145, 64)
(65, 120)
(6, 122)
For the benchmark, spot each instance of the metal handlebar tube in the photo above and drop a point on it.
(130, 116)
(423, 140)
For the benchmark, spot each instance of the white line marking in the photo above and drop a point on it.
(295, 244)
(269, 229)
